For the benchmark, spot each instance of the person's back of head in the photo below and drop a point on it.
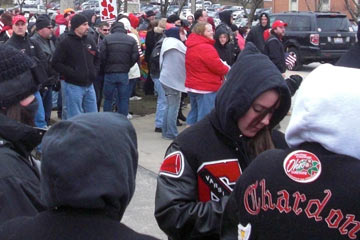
(90, 162)
(198, 13)
(326, 111)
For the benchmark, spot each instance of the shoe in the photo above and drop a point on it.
(135, 98)
(158, 130)
(178, 123)
(181, 116)
(129, 116)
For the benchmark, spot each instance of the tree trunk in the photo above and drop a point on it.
(125, 6)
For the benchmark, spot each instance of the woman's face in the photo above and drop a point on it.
(190, 19)
(209, 31)
(254, 120)
(223, 39)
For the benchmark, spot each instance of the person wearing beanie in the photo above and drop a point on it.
(21, 41)
(146, 20)
(77, 59)
(19, 173)
(6, 30)
(172, 78)
(351, 58)
(204, 161)
(85, 198)
(174, 19)
(119, 52)
(42, 37)
(256, 33)
(274, 47)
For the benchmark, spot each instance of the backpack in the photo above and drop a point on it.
(155, 58)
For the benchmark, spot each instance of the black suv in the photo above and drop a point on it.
(316, 36)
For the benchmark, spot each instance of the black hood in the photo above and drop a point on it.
(225, 17)
(252, 74)
(268, 22)
(90, 162)
(88, 14)
(23, 137)
(218, 32)
(118, 27)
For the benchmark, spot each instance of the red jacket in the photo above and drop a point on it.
(204, 69)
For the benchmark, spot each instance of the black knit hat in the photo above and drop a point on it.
(16, 81)
(42, 21)
(150, 13)
(77, 20)
(172, 18)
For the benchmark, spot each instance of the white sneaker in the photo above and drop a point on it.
(135, 98)
(129, 116)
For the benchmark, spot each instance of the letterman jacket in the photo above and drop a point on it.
(204, 161)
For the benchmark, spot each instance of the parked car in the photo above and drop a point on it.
(316, 36)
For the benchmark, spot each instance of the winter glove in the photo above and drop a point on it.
(293, 83)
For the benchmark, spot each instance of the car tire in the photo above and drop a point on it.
(294, 51)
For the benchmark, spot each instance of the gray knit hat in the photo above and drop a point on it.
(16, 80)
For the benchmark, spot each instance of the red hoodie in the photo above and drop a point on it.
(204, 69)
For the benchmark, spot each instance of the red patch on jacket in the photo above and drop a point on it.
(173, 165)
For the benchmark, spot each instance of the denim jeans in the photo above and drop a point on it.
(63, 101)
(40, 113)
(119, 82)
(160, 103)
(173, 98)
(201, 105)
(47, 101)
(79, 99)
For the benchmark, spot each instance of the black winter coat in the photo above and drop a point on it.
(225, 51)
(303, 193)
(256, 35)
(48, 49)
(204, 161)
(351, 58)
(77, 59)
(274, 49)
(119, 52)
(19, 175)
(152, 37)
(69, 224)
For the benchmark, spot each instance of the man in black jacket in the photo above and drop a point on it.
(19, 173)
(76, 58)
(21, 41)
(119, 52)
(256, 34)
(274, 47)
(42, 37)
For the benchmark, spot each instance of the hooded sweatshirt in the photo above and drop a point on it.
(86, 186)
(309, 191)
(351, 58)
(172, 61)
(256, 34)
(205, 160)
(224, 51)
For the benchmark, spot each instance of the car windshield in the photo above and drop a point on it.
(333, 24)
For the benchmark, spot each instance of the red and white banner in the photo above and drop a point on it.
(108, 11)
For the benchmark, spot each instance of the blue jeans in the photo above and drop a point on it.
(201, 105)
(47, 101)
(160, 104)
(119, 82)
(63, 101)
(79, 99)
(40, 113)
(173, 98)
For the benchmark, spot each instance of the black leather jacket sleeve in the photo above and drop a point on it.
(177, 209)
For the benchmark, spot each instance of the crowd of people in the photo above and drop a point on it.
(229, 175)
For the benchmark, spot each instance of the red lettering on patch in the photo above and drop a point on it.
(302, 166)
(173, 165)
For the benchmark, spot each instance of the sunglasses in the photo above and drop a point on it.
(50, 27)
(105, 30)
